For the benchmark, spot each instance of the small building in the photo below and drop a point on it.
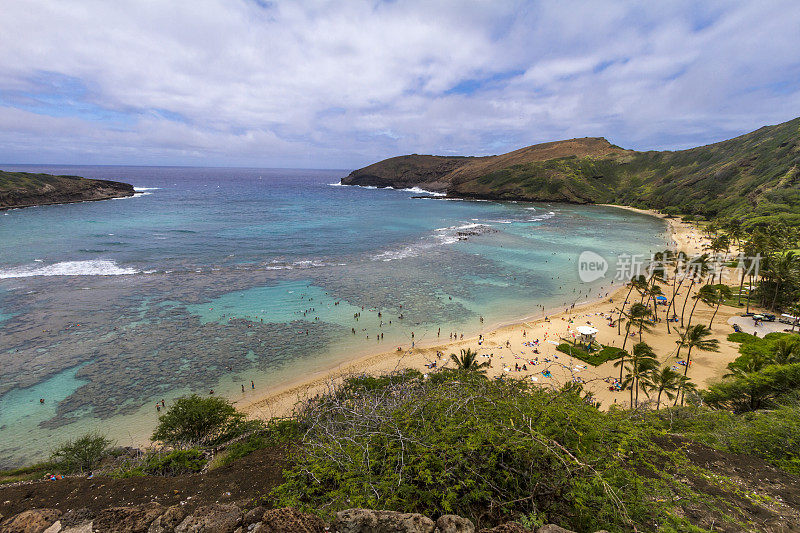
(586, 334)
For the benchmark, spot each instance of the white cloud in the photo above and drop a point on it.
(340, 84)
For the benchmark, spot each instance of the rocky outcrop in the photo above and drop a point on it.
(451, 523)
(288, 519)
(369, 521)
(30, 521)
(227, 518)
(755, 175)
(429, 172)
(461, 176)
(22, 189)
(217, 518)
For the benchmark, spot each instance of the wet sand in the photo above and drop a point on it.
(504, 345)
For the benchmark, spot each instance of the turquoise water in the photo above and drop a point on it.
(210, 278)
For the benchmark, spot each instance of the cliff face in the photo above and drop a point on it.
(429, 172)
(754, 176)
(22, 189)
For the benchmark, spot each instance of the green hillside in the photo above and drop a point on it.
(755, 176)
(23, 189)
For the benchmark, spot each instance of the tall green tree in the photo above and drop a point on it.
(696, 338)
(696, 269)
(195, 420)
(640, 364)
(713, 296)
(663, 381)
(468, 360)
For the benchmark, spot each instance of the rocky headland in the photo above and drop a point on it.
(754, 176)
(23, 189)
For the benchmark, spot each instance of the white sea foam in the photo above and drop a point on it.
(440, 237)
(281, 265)
(142, 189)
(135, 195)
(544, 216)
(95, 267)
(417, 190)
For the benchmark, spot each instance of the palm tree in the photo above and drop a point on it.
(468, 360)
(696, 337)
(697, 268)
(655, 291)
(665, 381)
(708, 295)
(787, 351)
(678, 261)
(794, 309)
(641, 362)
(638, 283)
(782, 269)
(714, 296)
(636, 316)
(754, 362)
(640, 317)
(720, 243)
(685, 385)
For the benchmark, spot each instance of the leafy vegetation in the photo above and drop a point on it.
(81, 454)
(765, 376)
(753, 177)
(197, 421)
(176, 462)
(597, 357)
(277, 431)
(496, 450)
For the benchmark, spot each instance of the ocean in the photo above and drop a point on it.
(210, 278)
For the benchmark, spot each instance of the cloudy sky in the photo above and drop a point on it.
(340, 84)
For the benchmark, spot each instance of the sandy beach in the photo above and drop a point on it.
(513, 345)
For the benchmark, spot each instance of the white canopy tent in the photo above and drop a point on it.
(586, 334)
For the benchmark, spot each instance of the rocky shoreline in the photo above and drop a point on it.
(228, 518)
(23, 189)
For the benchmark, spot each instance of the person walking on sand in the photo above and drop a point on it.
(252, 385)
(242, 388)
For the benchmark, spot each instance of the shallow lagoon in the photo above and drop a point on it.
(165, 293)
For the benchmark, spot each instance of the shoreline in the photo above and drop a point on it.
(280, 401)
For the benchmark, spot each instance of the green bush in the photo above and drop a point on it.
(369, 382)
(772, 435)
(741, 336)
(81, 454)
(606, 353)
(493, 450)
(176, 462)
(277, 432)
(764, 389)
(196, 421)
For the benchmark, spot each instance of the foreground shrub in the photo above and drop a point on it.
(767, 388)
(175, 463)
(276, 432)
(489, 449)
(771, 435)
(81, 454)
(197, 421)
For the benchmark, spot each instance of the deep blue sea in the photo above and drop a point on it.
(212, 277)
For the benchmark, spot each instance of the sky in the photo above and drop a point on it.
(341, 84)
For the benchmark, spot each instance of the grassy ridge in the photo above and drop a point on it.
(23, 189)
(755, 176)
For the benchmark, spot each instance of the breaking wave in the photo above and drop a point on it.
(95, 267)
